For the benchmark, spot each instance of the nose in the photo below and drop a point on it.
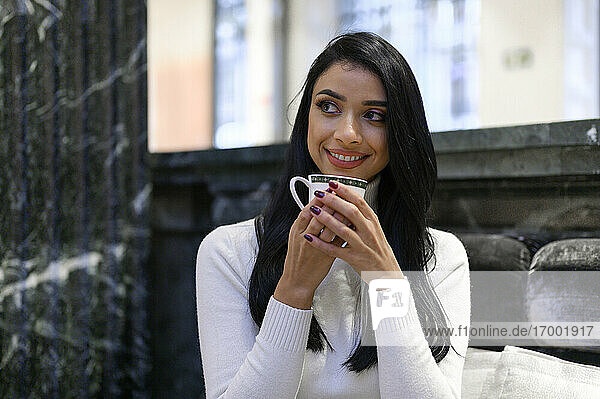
(348, 131)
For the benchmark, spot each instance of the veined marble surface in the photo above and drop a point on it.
(75, 192)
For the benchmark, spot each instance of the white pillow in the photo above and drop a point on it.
(479, 363)
(524, 374)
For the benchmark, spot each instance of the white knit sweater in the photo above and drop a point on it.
(242, 361)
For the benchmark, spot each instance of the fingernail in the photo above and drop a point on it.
(333, 184)
(329, 190)
(315, 210)
(309, 238)
(319, 194)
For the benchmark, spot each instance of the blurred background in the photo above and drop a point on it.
(221, 73)
(132, 128)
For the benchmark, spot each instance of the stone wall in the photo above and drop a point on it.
(75, 189)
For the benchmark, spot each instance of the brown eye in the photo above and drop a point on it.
(328, 107)
(375, 116)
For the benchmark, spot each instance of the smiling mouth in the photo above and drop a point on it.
(345, 161)
(345, 158)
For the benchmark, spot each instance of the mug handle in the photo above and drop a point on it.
(293, 181)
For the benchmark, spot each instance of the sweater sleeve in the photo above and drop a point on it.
(237, 362)
(406, 366)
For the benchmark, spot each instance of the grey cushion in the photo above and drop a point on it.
(498, 267)
(571, 254)
(495, 252)
(564, 286)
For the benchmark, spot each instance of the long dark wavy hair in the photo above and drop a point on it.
(403, 198)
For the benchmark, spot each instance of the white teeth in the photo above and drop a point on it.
(346, 158)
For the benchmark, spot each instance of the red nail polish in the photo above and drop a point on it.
(319, 194)
(333, 184)
(329, 190)
(315, 210)
(309, 238)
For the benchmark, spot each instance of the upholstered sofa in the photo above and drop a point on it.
(542, 369)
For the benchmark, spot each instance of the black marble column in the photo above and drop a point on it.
(74, 187)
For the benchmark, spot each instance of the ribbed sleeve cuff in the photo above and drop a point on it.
(399, 331)
(285, 327)
(395, 324)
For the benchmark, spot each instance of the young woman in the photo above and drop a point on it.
(272, 291)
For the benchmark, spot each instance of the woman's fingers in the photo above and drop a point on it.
(338, 242)
(307, 223)
(349, 210)
(305, 218)
(333, 249)
(338, 228)
(302, 221)
(328, 235)
(347, 193)
(315, 226)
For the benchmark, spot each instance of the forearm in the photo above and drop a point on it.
(238, 359)
(273, 367)
(406, 365)
(292, 295)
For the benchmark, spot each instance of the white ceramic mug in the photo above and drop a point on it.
(321, 182)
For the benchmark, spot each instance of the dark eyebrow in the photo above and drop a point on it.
(332, 94)
(376, 103)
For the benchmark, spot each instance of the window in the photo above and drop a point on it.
(438, 38)
(222, 73)
(248, 73)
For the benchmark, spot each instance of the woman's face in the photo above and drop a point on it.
(346, 122)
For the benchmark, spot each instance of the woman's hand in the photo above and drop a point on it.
(305, 266)
(324, 233)
(367, 248)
